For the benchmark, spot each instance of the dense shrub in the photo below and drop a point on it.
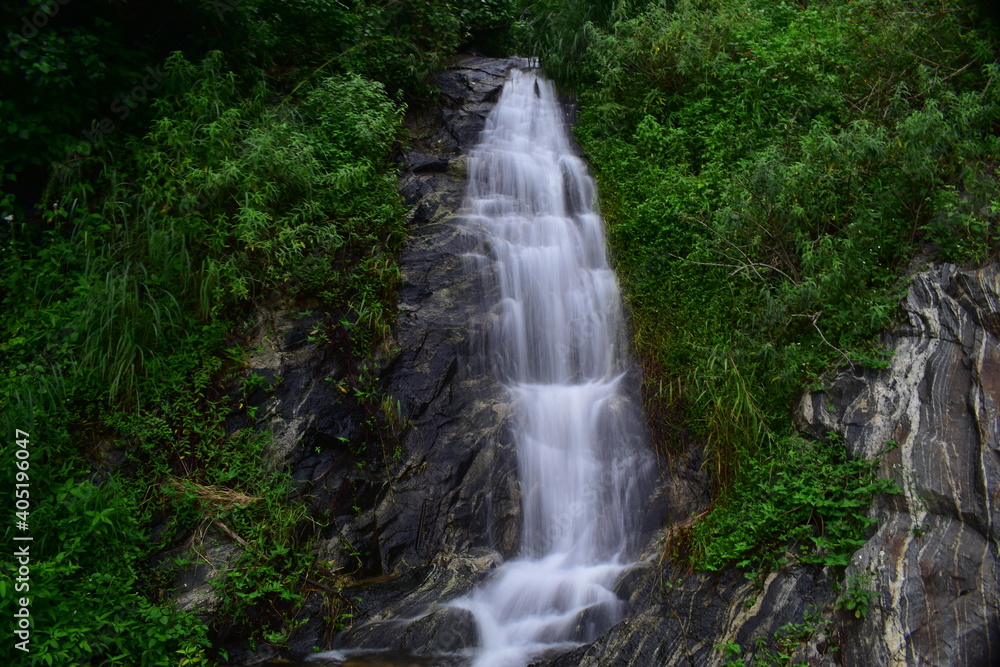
(152, 190)
(113, 320)
(67, 66)
(768, 171)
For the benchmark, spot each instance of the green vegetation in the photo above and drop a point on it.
(68, 66)
(768, 172)
(114, 323)
(777, 649)
(857, 594)
(154, 190)
(811, 506)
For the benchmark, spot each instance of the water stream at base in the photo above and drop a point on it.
(556, 342)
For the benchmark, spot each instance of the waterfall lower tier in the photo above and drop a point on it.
(556, 342)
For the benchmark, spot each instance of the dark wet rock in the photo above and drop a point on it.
(192, 587)
(290, 386)
(240, 654)
(680, 618)
(420, 524)
(111, 456)
(405, 613)
(454, 490)
(420, 162)
(468, 92)
(421, 628)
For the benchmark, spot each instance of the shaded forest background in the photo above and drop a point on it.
(770, 173)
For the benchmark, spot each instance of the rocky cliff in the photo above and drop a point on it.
(433, 521)
(934, 557)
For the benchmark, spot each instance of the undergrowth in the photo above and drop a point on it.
(807, 502)
(153, 191)
(769, 171)
(115, 358)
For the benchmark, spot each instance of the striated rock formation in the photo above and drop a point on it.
(934, 558)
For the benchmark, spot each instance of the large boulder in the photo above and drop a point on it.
(934, 556)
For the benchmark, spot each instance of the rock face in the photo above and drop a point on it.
(443, 513)
(934, 558)
(689, 619)
(455, 492)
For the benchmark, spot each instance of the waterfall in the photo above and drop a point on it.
(555, 340)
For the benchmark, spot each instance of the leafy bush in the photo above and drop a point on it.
(68, 67)
(399, 44)
(809, 502)
(113, 320)
(768, 170)
(84, 576)
(558, 33)
(858, 594)
(402, 43)
(75, 74)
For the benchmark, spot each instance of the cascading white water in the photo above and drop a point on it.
(556, 343)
